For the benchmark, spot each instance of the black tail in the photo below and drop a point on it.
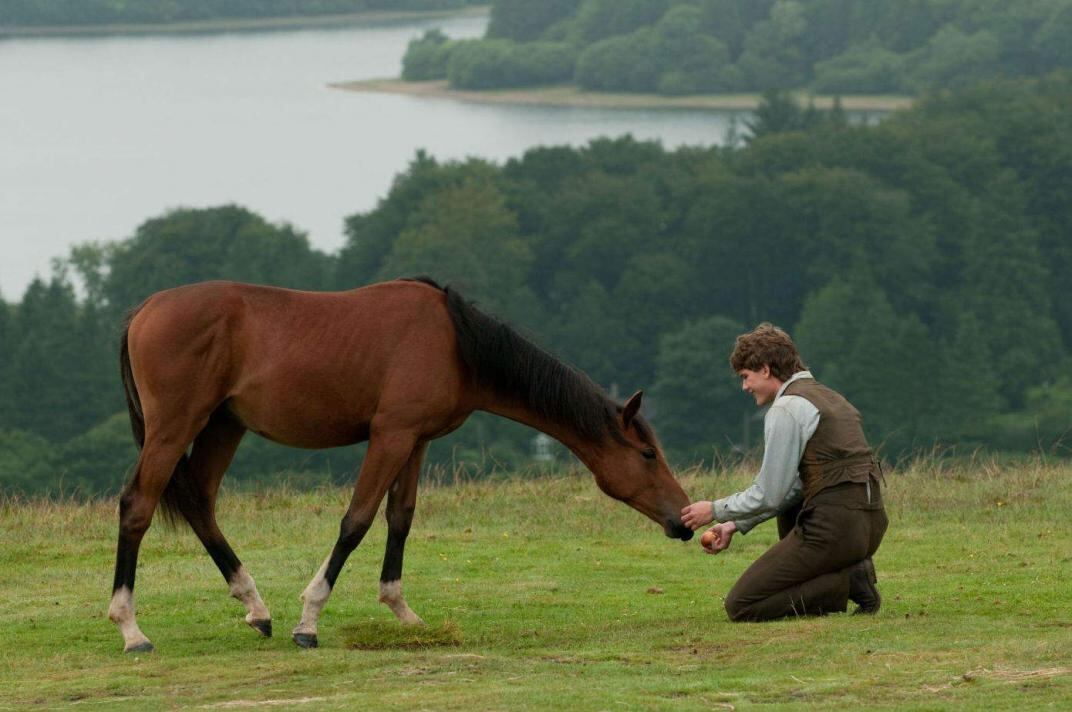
(177, 492)
(137, 419)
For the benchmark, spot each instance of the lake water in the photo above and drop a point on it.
(98, 134)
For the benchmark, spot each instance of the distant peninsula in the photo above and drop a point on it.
(570, 95)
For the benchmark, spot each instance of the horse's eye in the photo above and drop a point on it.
(648, 453)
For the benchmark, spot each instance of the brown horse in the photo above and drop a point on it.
(397, 364)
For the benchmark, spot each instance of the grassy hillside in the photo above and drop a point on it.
(546, 594)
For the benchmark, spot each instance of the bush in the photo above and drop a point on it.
(544, 62)
(480, 64)
(91, 464)
(953, 59)
(493, 64)
(862, 69)
(97, 461)
(620, 64)
(27, 463)
(426, 58)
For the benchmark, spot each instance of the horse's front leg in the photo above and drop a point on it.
(401, 501)
(387, 454)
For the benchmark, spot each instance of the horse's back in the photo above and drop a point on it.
(306, 368)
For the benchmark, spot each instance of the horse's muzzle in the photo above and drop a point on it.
(677, 530)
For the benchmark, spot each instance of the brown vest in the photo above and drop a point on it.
(838, 451)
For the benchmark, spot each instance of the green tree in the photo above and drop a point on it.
(524, 21)
(1005, 280)
(27, 463)
(778, 112)
(697, 398)
(851, 338)
(1051, 41)
(193, 245)
(7, 352)
(599, 19)
(864, 68)
(586, 330)
(745, 254)
(465, 236)
(620, 63)
(600, 220)
(728, 21)
(844, 219)
(773, 57)
(481, 64)
(98, 461)
(952, 58)
(537, 63)
(689, 60)
(427, 57)
(653, 292)
(902, 25)
(965, 377)
(47, 364)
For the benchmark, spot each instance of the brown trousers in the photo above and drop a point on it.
(807, 571)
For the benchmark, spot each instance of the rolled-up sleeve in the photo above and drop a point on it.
(777, 486)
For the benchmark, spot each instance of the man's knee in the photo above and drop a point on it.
(736, 607)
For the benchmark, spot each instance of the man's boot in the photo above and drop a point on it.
(862, 589)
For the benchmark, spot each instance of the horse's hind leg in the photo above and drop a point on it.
(401, 500)
(388, 452)
(212, 453)
(158, 460)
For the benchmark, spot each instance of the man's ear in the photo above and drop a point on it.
(631, 408)
(765, 371)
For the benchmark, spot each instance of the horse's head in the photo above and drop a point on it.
(632, 468)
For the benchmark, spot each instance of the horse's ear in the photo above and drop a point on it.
(631, 408)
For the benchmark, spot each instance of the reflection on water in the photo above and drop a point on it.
(98, 134)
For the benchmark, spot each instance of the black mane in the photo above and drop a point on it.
(512, 366)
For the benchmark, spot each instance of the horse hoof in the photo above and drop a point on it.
(305, 640)
(264, 627)
(145, 647)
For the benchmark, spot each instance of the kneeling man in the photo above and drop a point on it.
(819, 478)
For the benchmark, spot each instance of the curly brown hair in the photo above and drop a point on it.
(767, 345)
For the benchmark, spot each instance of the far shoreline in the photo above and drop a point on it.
(571, 96)
(237, 24)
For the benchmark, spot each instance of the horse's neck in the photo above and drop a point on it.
(586, 450)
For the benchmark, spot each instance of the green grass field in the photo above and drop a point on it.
(545, 594)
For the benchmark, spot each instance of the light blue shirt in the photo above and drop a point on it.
(787, 427)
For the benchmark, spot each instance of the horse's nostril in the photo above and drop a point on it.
(677, 530)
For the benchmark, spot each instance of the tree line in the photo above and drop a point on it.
(678, 47)
(36, 13)
(921, 264)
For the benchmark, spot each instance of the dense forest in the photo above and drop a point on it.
(35, 13)
(721, 46)
(922, 265)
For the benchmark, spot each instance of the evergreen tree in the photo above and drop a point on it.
(7, 349)
(697, 397)
(965, 377)
(227, 242)
(466, 237)
(852, 339)
(524, 21)
(1004, 281)
(48, 362)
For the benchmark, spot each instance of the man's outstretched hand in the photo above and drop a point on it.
(698, 514)
(723, 535)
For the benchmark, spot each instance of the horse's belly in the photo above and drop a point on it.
(301, 423)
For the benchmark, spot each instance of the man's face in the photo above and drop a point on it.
(762, 384)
